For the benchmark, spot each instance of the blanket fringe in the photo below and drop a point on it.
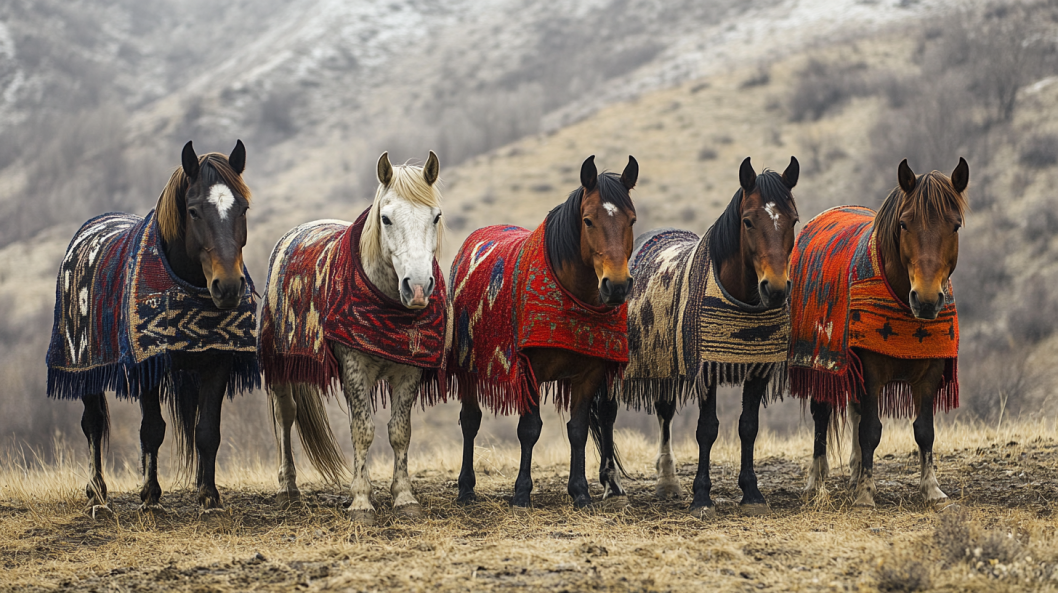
(640, 394)
(517, 398)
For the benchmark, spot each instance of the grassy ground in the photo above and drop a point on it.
(1001, 536)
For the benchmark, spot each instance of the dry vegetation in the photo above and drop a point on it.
(1000, 537)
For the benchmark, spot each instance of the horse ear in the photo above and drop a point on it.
(631, 173)
(589, 175)
(792, 172)
(189, 160)
(432, 169)
(906, 177)
(747, 177)
(385, 170)
(960, 177)
(237, 158)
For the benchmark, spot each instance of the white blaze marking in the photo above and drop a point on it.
(610, 208)
(773, 213)
(221, 197)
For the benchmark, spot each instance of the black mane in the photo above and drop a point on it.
(563, 222)
(725, 232)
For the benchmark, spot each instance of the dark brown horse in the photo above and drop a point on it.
(747, 253)
(916, 233)
(588, 241)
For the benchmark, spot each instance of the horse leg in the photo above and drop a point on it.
(870, 434)
(668, 486)
(820, 469)
(95, 423)
(528, 433)
(404, 387)
(925, 390)
(284, 412)
(152, 433)
(856, 457)
(708, 429)
(584, 389)
(469, 422)
(359, 374)
(609, 470)
(753, 502)
(212, 385)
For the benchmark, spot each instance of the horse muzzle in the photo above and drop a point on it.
(416, 296)
(925, 309)
(615, 293)
(227, 293)
(771, 297)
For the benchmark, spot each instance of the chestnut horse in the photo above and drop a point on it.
(587, 241)
(732, 282)
(916, 233)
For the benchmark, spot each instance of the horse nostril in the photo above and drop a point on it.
(763, 288)
(214, 287)
(628, 285)
(429, 287)
(405, 286)
(940, 300)
(914, 297)
(242, 285)
(606, 286)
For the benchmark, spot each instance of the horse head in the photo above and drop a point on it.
(768, 215)
(404, 227)
(922, 227)
(606, 219)
(212, 214)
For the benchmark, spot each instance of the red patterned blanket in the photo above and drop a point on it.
(506, 298)
(318, 292)
(841, 300)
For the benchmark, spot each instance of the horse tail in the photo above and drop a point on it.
(181, 394)
(596, 416)
(314, 429)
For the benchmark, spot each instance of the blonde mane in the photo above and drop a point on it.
(408, 183)
(214, 168)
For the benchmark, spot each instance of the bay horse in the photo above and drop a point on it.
(161, 308)
(897, 351)
(351, 302)
(706, 312)
(544, 306)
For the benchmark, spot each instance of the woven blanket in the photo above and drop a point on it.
(506, 298)
(318, 292)
(685, 330)
(120, 311)
(841, 300)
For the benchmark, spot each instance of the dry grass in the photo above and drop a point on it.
(1003, 536)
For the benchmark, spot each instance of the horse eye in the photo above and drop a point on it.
(747, 222)
(903, 226)
(957, 227)
(587, 223)
(386, 221)
(437, 220)
(632, 223)
(193, 213)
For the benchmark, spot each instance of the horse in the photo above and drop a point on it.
(351, 302)
(706, 312)
(160, 309)
(561, 290)
(875, 327)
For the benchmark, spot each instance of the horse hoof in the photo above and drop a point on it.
(944, 504)
(216, 517)
(285, 498)
(704, 513)
(410, 511)
(864, 502)
(755, 509)
(615, 503)
(668, 491)
(467, 498)
(521, 510)
(99, 512)
(153, 510)
(363, 517)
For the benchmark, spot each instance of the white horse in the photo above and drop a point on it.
(400, 240)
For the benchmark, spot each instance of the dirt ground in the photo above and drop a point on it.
(1000, 536)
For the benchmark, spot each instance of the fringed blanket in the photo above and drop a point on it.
(318, 292)
(841, 300)
(506, 298)
(685, 330)
(120, 311)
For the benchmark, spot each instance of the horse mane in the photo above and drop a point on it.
(213, 169)
(409, 183)
(933, 196)
(725, 234)
(562, 233)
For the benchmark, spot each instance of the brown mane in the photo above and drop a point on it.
(214, 168)
(933, 197)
